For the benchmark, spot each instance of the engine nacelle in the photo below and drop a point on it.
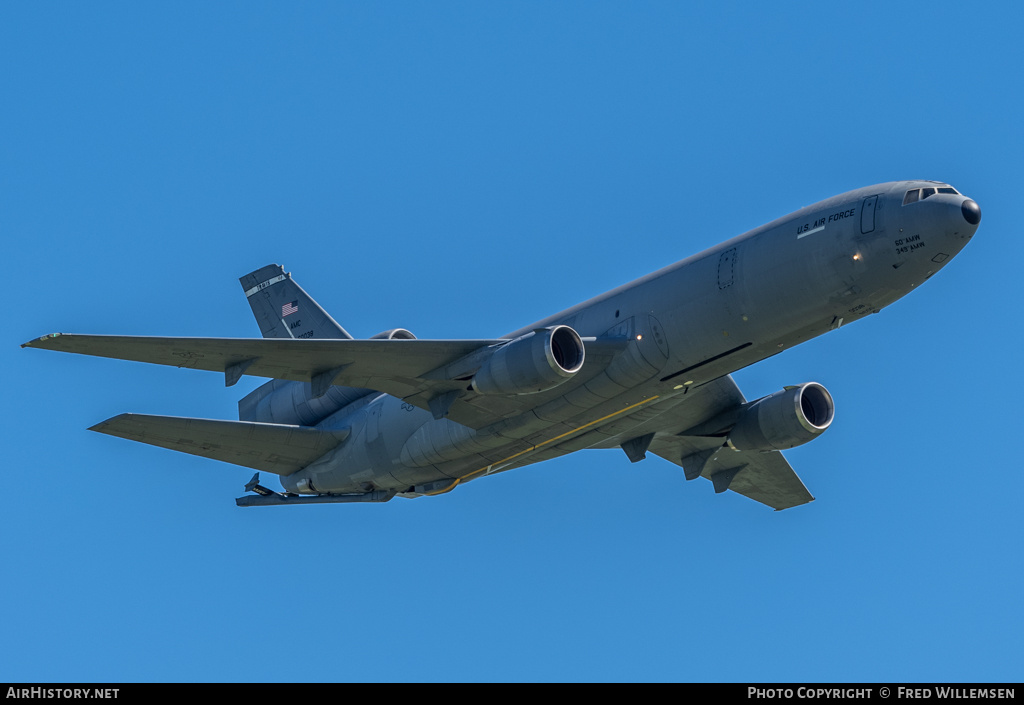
(394, 334)
(783, 420)
(532, 363)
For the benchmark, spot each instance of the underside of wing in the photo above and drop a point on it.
(273, 448)
(355, 362)
(765, 477)
(431, 374)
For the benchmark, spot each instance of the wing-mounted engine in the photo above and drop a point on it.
(535, 362)
(786, 419)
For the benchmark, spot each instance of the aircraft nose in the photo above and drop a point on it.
(971, 211)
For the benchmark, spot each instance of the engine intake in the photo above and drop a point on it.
(394, 334)
(535, 362)
(786, 419)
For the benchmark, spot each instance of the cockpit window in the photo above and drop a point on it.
(919, 194)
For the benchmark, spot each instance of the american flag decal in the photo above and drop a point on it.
(289, 309)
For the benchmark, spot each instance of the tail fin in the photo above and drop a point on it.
(283, 310)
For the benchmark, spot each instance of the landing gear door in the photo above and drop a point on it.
(867, 215)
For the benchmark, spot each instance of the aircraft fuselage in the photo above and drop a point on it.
(692, 322)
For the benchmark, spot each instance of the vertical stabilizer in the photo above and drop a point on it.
(283, 310)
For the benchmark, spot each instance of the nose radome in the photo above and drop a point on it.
(971, 211)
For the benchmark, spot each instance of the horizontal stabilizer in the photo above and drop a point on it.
(274, 448)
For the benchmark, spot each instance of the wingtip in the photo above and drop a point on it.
(35, 342)
(102, 426)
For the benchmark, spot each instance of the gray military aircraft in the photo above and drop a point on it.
(644, 367)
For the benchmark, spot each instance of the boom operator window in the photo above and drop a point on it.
(919, 194)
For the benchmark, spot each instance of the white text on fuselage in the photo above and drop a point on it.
(823, 220)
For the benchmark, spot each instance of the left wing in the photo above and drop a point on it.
(418, 371)
(765, 477)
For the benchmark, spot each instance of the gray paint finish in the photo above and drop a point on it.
(397, 416)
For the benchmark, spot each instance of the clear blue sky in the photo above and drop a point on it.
(463, 169)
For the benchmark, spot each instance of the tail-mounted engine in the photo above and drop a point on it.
(284, 402)
(394, 334)
(535, 362)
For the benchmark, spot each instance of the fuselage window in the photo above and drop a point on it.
(911, 196)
